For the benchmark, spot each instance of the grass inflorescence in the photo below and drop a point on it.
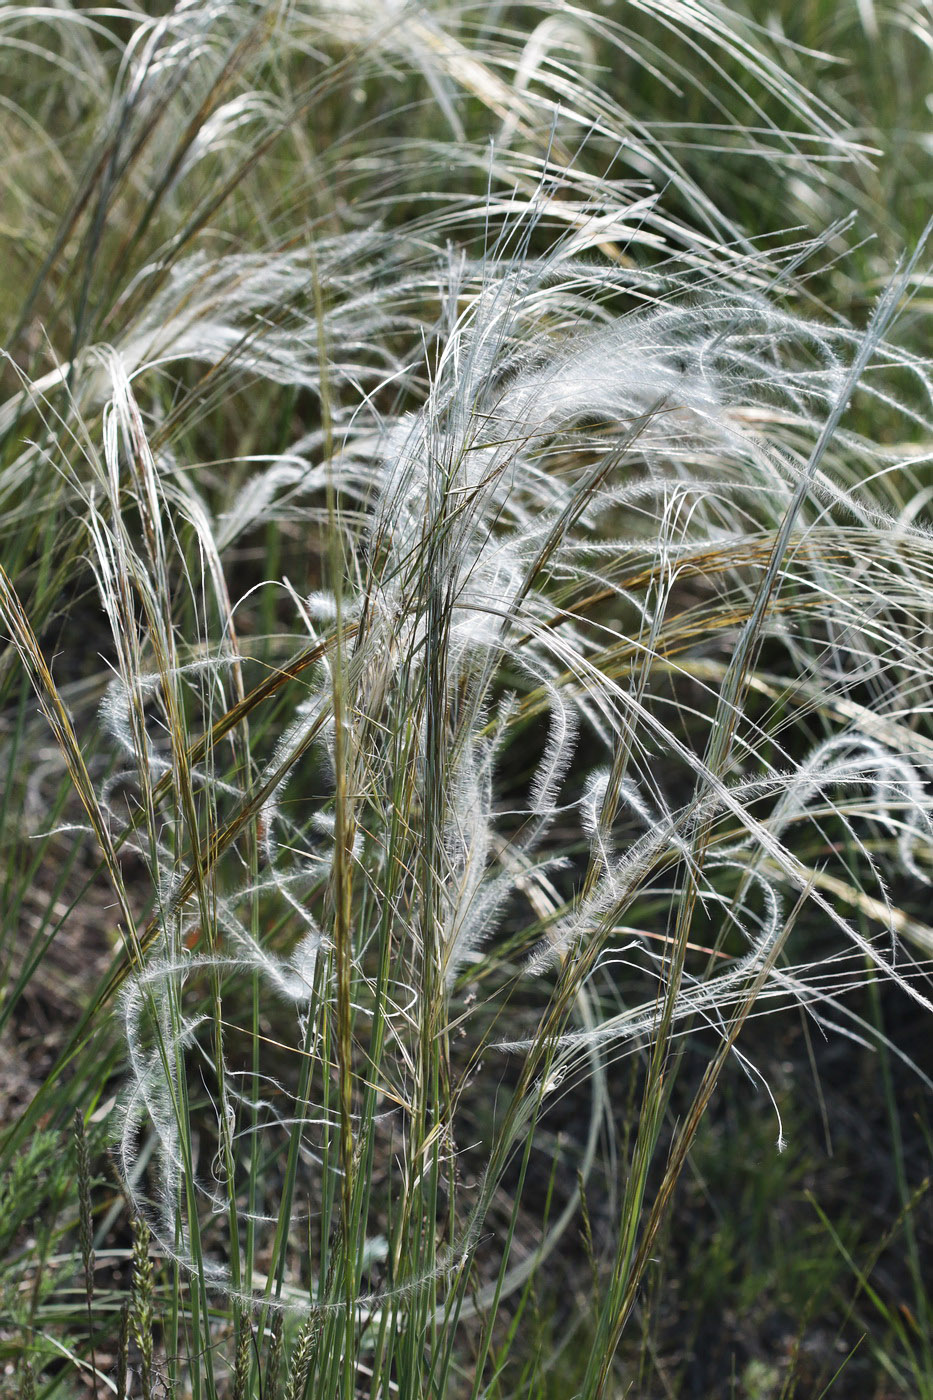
(465, 596)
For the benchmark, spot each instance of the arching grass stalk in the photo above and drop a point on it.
(576, 713)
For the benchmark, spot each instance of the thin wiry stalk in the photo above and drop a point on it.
(586, 710)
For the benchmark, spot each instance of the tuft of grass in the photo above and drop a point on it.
(465, 599)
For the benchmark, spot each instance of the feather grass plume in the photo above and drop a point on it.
(515, 633)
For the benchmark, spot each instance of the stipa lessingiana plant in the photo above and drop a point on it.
(466, 630)
(585, 712)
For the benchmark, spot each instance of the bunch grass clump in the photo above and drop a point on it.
(489, 593)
